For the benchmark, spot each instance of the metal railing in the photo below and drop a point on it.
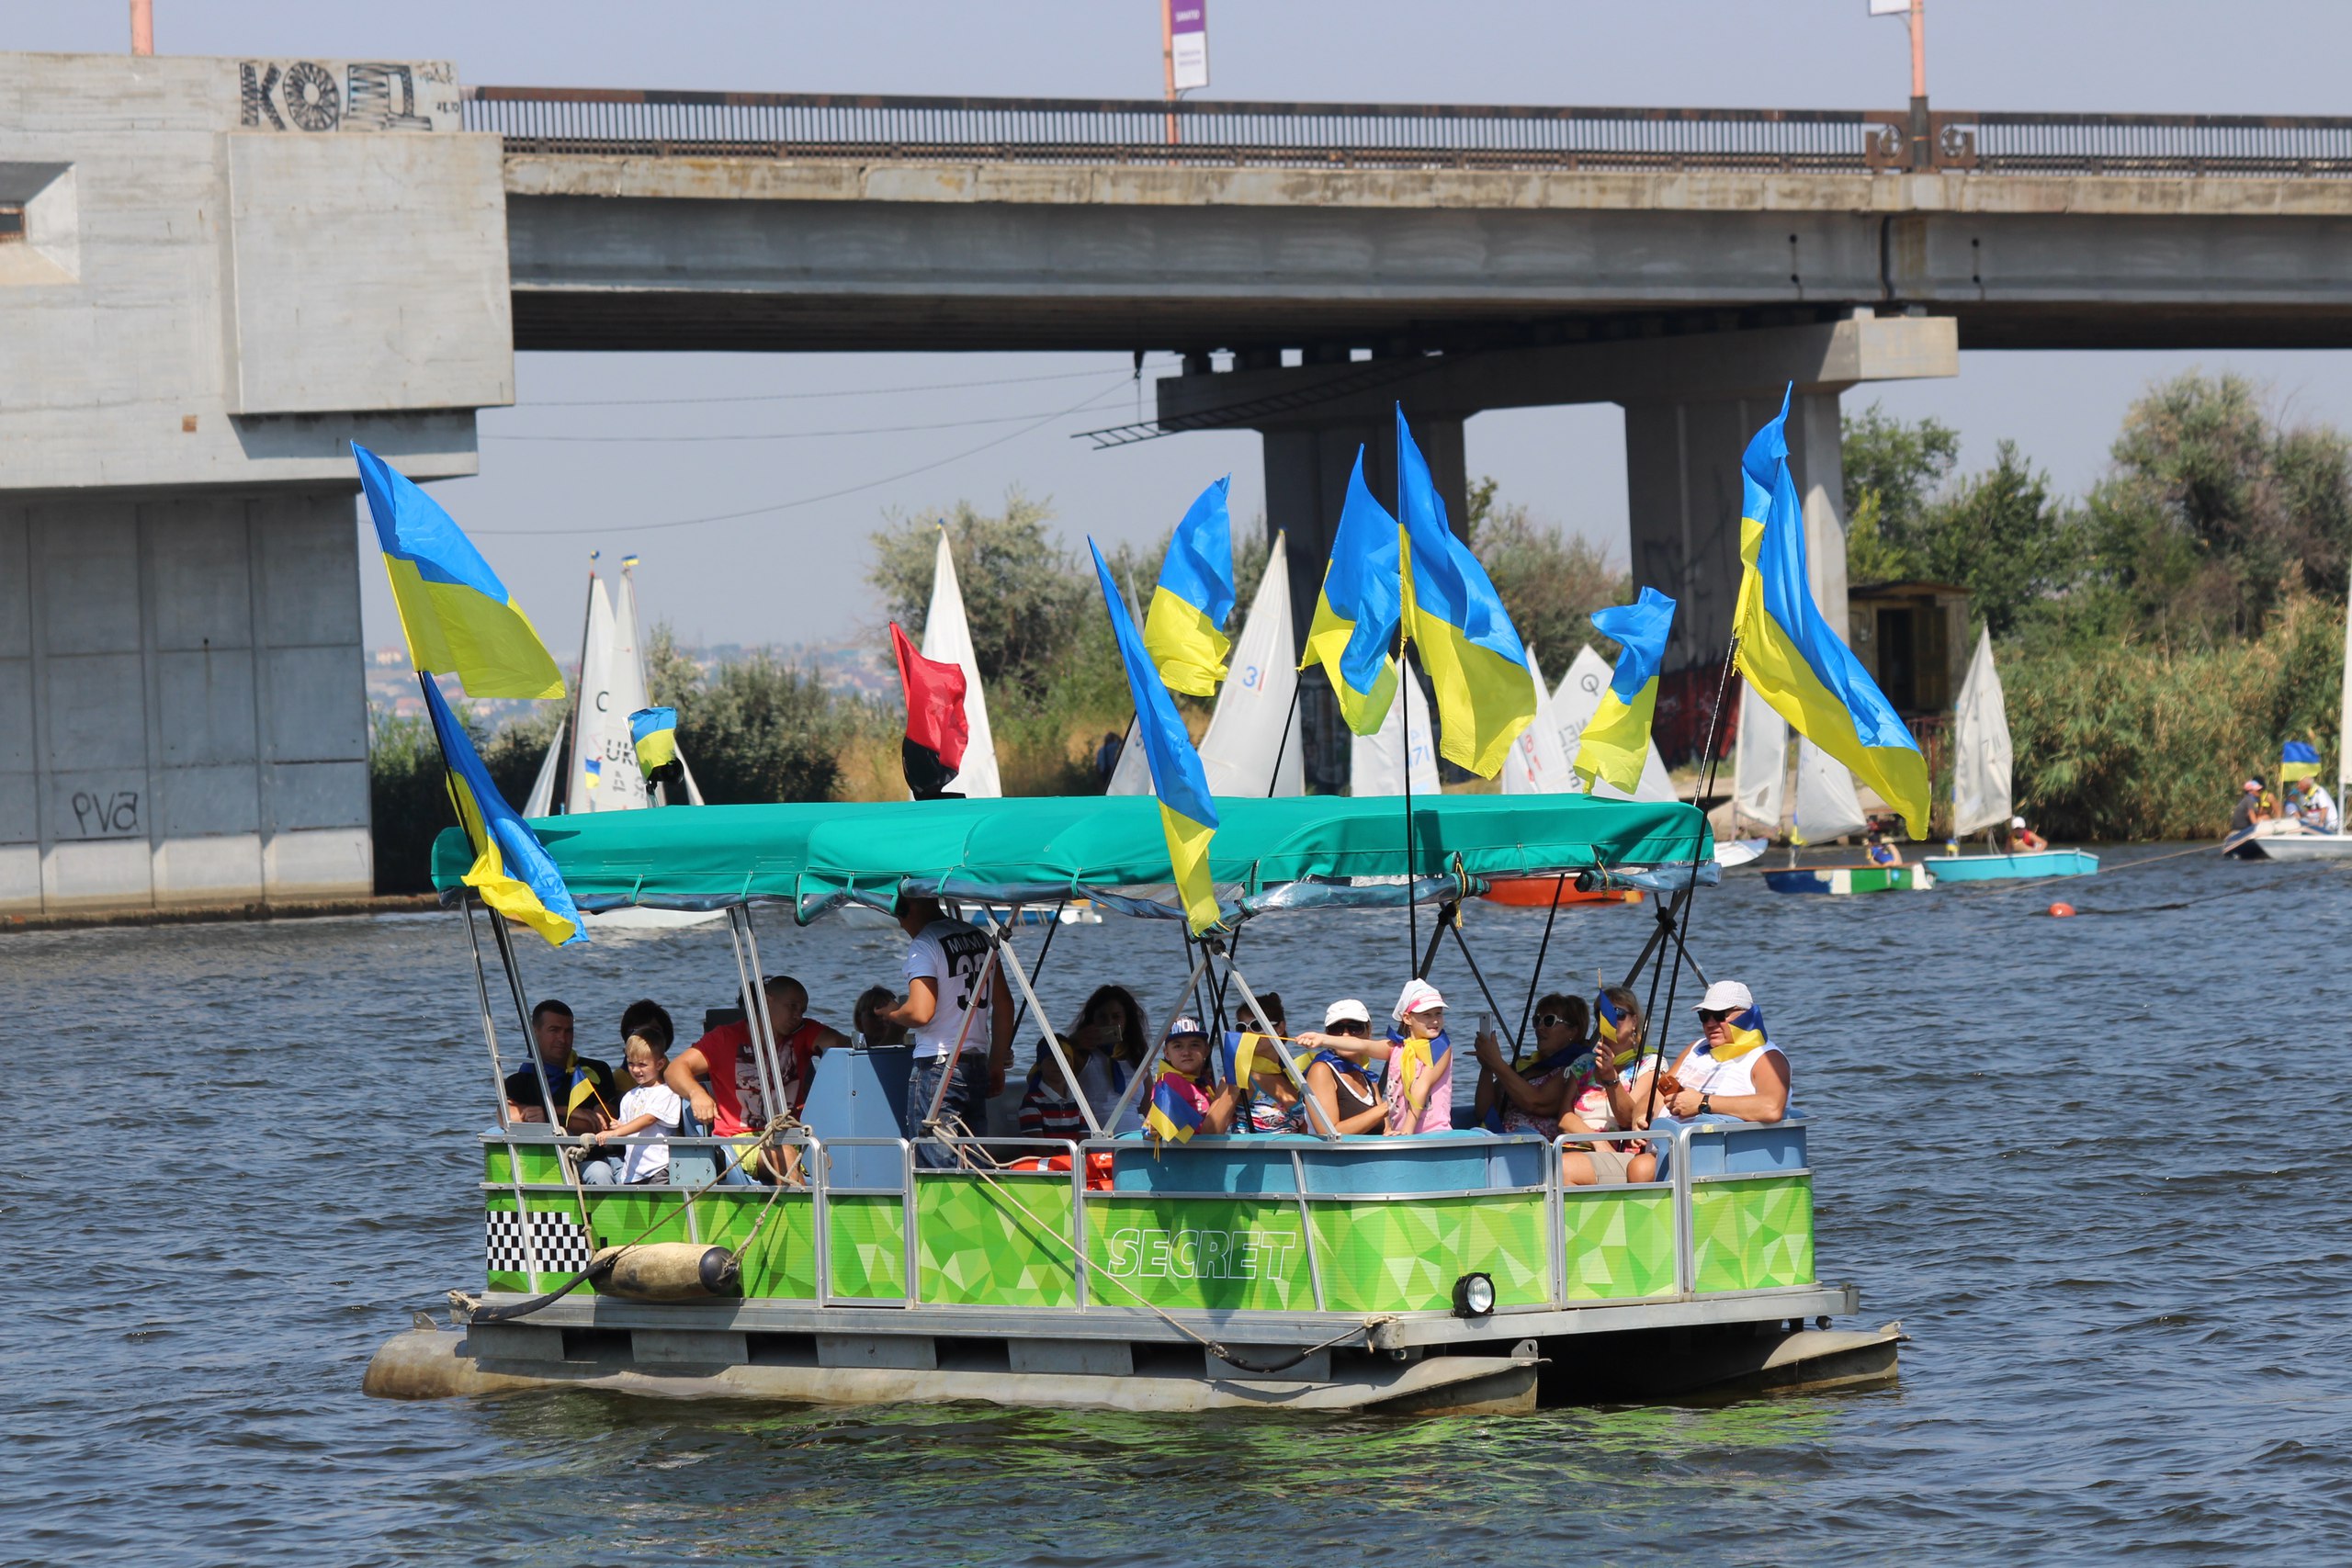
(625, 122)
(1680, 1182)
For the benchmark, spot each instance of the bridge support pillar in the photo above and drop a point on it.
(226, 271)
(1306, 483)
(1683, 495)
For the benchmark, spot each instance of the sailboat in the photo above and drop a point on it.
(1573, 705)
(2287, 839)
(1829, 808)
(1252, 747)
(598, 771)
(1378, 763)
(1539, 764)
(1982, 764)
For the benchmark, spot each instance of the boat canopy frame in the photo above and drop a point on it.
(1296, 853)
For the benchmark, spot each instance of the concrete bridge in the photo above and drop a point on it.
(213, 273)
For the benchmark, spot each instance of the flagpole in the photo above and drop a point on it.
(1707, 770)
(1412, 914)
(1281, 743)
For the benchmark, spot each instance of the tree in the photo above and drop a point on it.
(1550, 581)
(2211, 509)
(1999, 534)
(754, 730)
(1023, 593)
(1893, 470)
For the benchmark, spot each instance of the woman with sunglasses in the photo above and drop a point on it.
(1730, 1071)
(1528, 1096)
(1347, 1088)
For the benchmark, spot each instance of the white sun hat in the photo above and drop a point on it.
(1418, 995)
(1727, 996)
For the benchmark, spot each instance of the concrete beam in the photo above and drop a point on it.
(1823, 358)
(833, 254)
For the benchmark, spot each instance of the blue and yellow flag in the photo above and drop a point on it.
(1186, 813)
(512, 869)
(1747, 1030)
(1185, 629)
(1791, 658)
(459, 617)
(2298, 759)
(1354, 632)
(654, 733)
(1178, 1107)
(1617, 740)
(1477, 667)
(1609, 1023)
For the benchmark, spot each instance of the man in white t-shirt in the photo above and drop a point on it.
(949, 981)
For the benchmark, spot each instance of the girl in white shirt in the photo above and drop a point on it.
(651, 1105)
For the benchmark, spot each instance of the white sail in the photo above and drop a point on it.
(1253, 746)
(605, 775)
(542, 800)
(1759, 768)
(1535, 764)
(1827, 805)
(1578, 698)
(1378, 762)
(631, 644)
(1573, 705)
(2344, 733)
(947, 637)
(1981, 757)
(1133, 773)
(1655, 784)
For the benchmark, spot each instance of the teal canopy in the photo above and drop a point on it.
(1296, 853)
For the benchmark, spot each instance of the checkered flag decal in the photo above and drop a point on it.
(563, 1246)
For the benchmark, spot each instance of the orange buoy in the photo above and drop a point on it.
(2062, 909)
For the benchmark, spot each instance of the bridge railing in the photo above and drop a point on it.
(564, 120)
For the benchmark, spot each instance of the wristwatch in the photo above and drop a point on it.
(1706, 1105)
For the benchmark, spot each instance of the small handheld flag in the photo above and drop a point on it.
(457, 617)
(1187, 815)
(1609, 1020)
(1616, 740)
(1354, 632)
(2298, 759)
(1789, 656)
(1178, 1107)
(1184, 628)
(512, 869)
(937, 726)
(654, 733)
(1478, 666)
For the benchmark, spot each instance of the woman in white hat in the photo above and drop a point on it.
(1418, 1086)
(1734, 1069)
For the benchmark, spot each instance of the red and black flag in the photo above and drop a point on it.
(936, 728)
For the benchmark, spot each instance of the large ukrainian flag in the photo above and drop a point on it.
(1354, 632)
(459, 617)
(512, 869)
(1616, 741)
(1185, 629)
(1477, 666)
(1186, 813)
(1789, 656)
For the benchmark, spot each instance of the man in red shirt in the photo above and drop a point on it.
(736, 1104)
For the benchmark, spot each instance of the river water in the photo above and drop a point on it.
(243, 1158)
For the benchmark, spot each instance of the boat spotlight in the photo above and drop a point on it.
(1474, 1295)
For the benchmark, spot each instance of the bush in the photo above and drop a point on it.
(408, 799)
(2127, 740)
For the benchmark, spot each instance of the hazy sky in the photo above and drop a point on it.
(798, 574)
